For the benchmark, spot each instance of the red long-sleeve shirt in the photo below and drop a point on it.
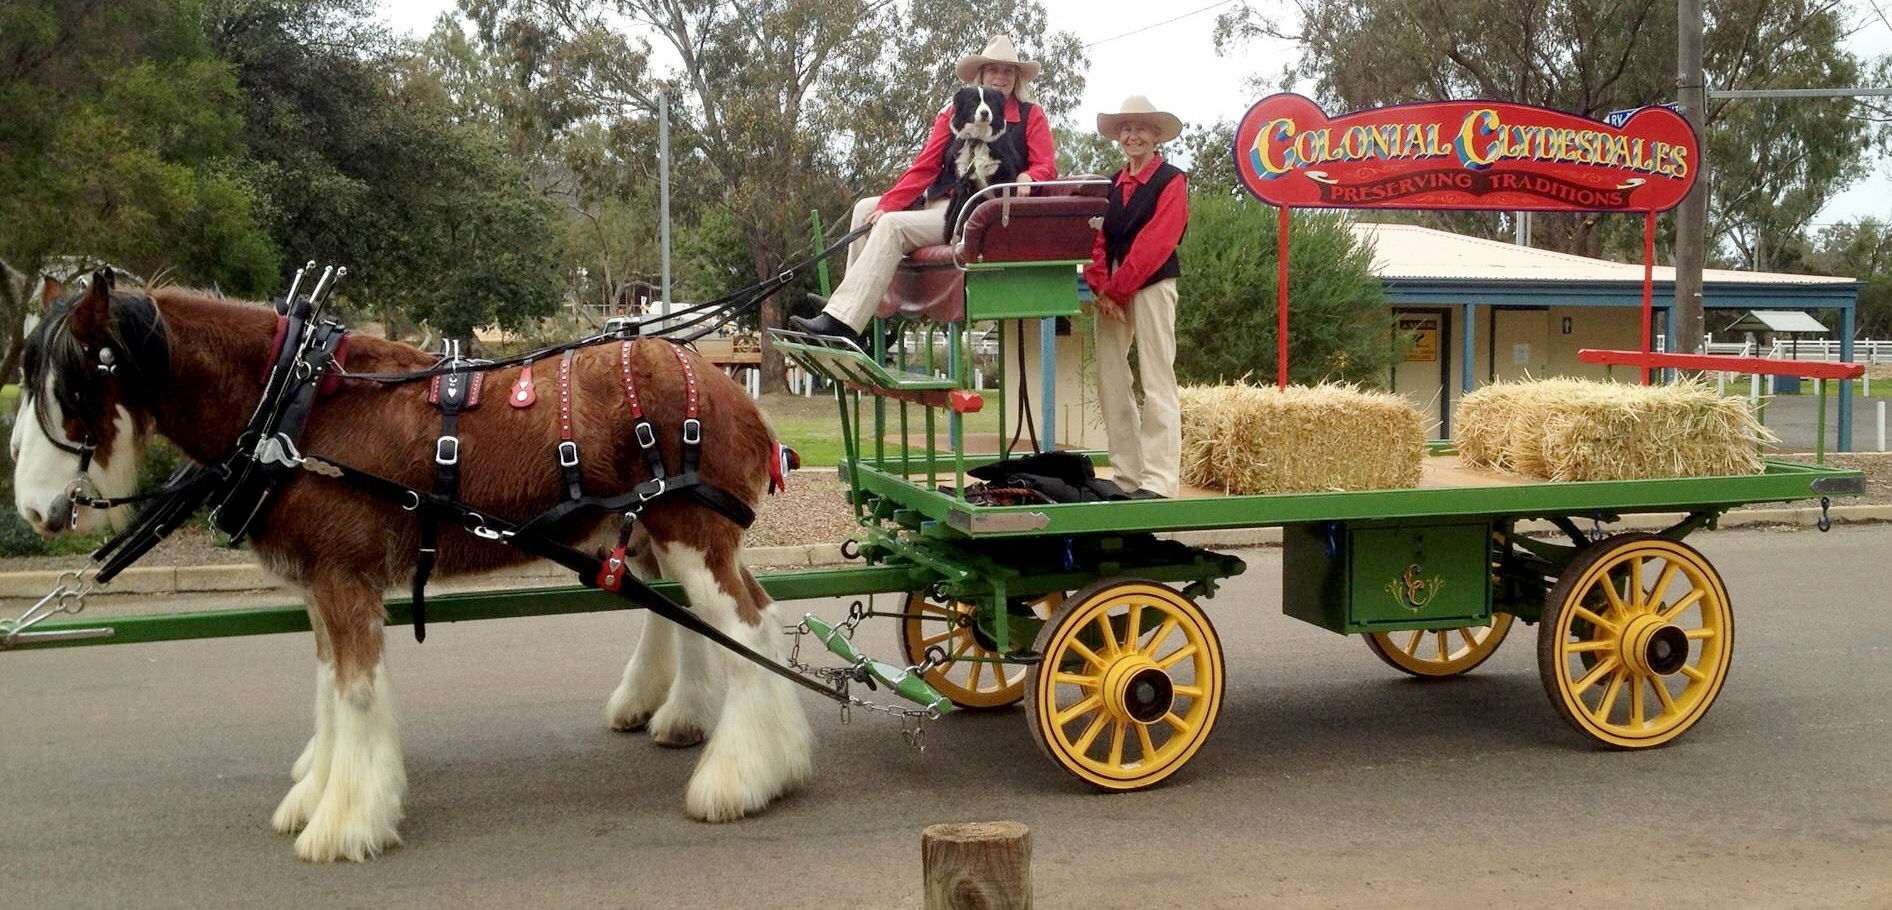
(1040, 157)
(1151, 246)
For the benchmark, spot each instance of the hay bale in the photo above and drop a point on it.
(1303, 439)
(1577, 429)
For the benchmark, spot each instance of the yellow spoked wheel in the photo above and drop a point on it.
(1636, 640)
(1440, 652)
(968, 678)
(1130, 685)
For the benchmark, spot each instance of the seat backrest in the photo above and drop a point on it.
(1052, 223)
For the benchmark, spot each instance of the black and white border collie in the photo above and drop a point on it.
(975, 158)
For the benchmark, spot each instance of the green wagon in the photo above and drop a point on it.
(1084, 613)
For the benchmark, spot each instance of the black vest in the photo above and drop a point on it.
(1011, 143)
(1126, 217)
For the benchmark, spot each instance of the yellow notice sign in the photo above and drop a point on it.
(1425, 331)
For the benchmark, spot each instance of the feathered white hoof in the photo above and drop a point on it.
(762, 750)
(300, 769)
(334, 835)
(686, 718)
(627, 712)
(358, 812)
(298, 806)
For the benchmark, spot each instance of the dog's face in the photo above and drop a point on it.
(978, 112)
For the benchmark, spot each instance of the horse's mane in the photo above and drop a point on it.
(141, 356)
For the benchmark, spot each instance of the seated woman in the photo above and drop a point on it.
(1132, 276)
(897, 231)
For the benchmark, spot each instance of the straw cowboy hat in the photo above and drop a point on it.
(998, 50)
(1137, 107)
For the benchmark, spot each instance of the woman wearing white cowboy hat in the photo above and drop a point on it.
(897, 231)
(1132, 277)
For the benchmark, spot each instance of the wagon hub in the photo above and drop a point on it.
(1653, 647)
(1136, 689)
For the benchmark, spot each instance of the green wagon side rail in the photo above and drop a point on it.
(948, 516)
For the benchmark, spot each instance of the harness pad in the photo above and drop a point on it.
(459, 391)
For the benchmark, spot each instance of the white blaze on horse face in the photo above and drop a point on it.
(43, 472)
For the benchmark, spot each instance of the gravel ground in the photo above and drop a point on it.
(813, 509)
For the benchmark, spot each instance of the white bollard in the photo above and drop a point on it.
(755, 383)
(1721, 383)
(978, 378)
(1881, 426)
(1754, 388)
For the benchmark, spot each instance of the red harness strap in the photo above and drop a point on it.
(640, 425)
(567, 450)
(523, 392)
(692, 427)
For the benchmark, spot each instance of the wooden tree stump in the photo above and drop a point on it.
(977, 866)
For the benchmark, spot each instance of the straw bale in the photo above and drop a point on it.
(1578, 429)
(1304, 439)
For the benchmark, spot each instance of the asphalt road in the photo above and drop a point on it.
(143, 776)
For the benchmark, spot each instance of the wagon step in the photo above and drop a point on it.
(902, 681)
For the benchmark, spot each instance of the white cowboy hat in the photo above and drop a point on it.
(998, 50)
(1137, 107)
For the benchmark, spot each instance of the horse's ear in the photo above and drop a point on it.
(50, 290)
(91, 314)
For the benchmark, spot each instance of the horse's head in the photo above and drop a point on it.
(93, 371)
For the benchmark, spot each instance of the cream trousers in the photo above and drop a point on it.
(1145, 443)
(871, 260)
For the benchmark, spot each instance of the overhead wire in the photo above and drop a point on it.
(1137, 31)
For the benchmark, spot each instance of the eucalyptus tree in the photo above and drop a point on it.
(779, 106)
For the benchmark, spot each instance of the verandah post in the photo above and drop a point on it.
(1648, 288)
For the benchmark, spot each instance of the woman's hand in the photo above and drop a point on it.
(1111, 309)
(874, 216)
(1024, 189)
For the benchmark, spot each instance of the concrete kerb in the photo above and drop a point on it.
(246, 577)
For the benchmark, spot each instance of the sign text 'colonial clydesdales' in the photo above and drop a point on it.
(1463, 155)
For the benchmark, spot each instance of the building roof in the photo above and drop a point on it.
(1407, 251)
(1793, 321)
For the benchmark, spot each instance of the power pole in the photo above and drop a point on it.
(1691, 218)
(663, 184)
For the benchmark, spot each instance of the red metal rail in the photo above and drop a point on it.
(1767, 366)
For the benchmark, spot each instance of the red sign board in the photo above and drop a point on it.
(1463, 155)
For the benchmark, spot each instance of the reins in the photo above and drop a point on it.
(710, 314)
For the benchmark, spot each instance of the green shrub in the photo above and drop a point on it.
(1339, 324)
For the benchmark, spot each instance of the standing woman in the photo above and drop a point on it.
(897, 230)
(1133, 275)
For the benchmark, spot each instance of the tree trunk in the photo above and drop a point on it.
(977, 866)
(774, 366)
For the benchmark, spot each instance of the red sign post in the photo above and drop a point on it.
(1483, 155)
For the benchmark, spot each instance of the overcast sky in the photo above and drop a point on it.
(1171, 59)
